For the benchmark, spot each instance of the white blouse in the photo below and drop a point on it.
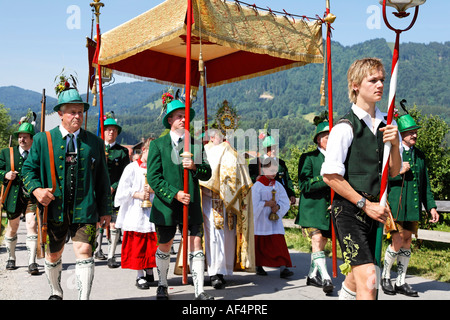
(131, 216)
(261, 194)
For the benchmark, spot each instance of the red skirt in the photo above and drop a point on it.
(272, 251)
(138, 250)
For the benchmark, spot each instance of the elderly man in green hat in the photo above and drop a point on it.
(82, 194)
(117, 158)
(17, 201)
(407, 193)
(313, 210)
(165, 173)
(271, 151)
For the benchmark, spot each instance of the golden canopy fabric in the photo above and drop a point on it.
(236, 43)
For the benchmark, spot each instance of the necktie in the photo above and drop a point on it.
(71, 145)
(25, 154)
(108, 146)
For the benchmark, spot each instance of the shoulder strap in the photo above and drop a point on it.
(52, 160)
(11, 157)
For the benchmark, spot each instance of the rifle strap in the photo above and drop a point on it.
(52, 160)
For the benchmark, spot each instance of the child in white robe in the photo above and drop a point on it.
(270, 245)
(139, 241)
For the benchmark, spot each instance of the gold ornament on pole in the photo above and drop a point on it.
(146, 203)
(273, 216)
(97, 5)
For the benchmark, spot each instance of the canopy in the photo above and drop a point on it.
(236, 42)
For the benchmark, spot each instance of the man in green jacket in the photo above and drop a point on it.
(117, 158)
(165, 173)
(313, 210)
(82, 194)
(407, 192)
(17, 200)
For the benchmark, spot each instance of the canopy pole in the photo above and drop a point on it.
(187, 138)
(387, 145)
(97, 4)
(330, 123)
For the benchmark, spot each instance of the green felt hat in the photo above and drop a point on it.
(171, 107)
(321, 127)
(70, 96)
(112, 122)
(406, 123)
(25, 128)
(269, 141)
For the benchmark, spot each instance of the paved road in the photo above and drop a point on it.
(119, 284)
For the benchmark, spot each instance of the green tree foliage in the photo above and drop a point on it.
(6, 129)
(431, 141)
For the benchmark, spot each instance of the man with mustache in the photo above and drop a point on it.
(17, 201)
(408, 191)
(82, 194)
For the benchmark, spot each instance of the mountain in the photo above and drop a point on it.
(286, 100)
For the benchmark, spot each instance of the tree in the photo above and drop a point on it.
(6, 130)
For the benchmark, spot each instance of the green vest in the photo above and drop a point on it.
(363, 165)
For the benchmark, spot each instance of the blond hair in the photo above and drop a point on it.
(358, 71)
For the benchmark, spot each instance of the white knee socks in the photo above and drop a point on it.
(162, 266)
(402, 264)
(197, 263)
(31, 244)
(53, 273)
(84, 271)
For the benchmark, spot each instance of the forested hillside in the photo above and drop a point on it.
(285, 100)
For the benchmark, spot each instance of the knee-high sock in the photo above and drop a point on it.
(162, 266)
(346, 293)
(389, 258)
(313, 268)
(197, 263)
(99, 239)
(84, 271)
(113, 243)
(53, 273)
(11, 247)
(321, 263)
(402, 264)
(31, 244)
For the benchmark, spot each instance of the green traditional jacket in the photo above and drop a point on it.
(408, 191)
(92, 191)
(15, 191)
(165, 176)
(117, 159)
(282, 175)
(314, 192)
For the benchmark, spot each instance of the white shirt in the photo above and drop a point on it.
(64, 133)
(131, 216)
(261, 194)
(341, 137)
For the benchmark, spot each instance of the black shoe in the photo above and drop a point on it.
(55, 297)
(142, 283)
(314, 281)
(161, 293)
(260, 271)
(204, 296)
(406, 290)
(11, 265)
(150, 278)
(112, 263)
(216, 282)
(286, 273)
(387, 287)
(33, 269)
(99, 255)
(327, 286)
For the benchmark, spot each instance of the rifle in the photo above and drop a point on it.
(4, 193)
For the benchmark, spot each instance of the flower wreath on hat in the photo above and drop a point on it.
(67, 92)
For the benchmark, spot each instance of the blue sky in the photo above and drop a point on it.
(40, 38)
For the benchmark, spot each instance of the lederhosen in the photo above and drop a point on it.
(82, 232)
(363, 166)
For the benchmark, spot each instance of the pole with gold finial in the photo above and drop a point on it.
(97, 5)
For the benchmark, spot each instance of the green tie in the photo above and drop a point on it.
(108, 146)
(71, 145)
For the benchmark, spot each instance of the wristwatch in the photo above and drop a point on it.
(361, 203)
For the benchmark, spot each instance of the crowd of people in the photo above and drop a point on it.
(90, 187)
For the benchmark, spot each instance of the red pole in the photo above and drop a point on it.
(330, 123)
(186, 137)
(100, 86)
